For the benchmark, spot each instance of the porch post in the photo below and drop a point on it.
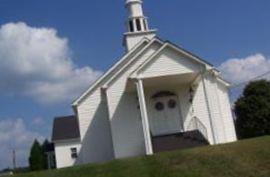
(145, 122)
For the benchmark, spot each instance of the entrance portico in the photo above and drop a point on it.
(164, 104)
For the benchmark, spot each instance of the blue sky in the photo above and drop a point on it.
(227, 33)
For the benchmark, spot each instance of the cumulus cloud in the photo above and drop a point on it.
(14, 135)
(238, 70)
(36, 62)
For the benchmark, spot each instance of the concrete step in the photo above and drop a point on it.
(178, 141)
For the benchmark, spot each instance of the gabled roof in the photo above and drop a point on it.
(65, 128)
(107, 74)
(177, 47)
(132, 59)
(174, 47)
(131, 55)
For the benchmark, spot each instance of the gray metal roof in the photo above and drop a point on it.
(65, 128)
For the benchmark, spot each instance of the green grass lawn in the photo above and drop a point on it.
(249, 158)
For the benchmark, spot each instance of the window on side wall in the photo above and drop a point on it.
(74, 153)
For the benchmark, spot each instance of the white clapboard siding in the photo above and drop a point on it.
(201, 110)
(124, 115)
(216, 103)
(63, 154)
(215, 109)
(226, 113)
(169, 62)
(95, 129)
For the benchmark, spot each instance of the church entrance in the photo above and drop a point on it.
(165, 115)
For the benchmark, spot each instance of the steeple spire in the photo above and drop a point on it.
(137, 24)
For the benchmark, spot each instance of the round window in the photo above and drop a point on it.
(159, 106)
(172, 104)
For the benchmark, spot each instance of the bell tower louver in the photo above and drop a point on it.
(137, 24)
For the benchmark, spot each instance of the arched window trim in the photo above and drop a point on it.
(163, 94)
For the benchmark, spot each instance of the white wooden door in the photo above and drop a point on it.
(166, 117)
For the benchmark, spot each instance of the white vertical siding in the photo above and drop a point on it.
(63, 154)
(95, 129)
(124, 114)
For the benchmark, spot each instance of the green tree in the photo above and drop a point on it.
(44, 147)
(252, 110)
(36, 159)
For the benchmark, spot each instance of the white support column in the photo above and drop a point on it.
(145, 122)
(134, 25)
(146, 24)
(142, 24)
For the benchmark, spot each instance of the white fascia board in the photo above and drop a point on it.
(217, 74)
(197, 79)
(223, 81)
(107, 84)
(107, 74)
(189, 55)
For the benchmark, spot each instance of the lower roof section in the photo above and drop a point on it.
(65, 128)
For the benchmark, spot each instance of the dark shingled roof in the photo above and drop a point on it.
(65, 128)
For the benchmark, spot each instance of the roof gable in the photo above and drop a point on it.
(153, 45)
(109, 76)
(169, 56)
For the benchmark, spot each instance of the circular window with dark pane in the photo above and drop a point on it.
(159, 106)
(171, 104)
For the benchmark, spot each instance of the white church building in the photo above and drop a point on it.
(157, 97)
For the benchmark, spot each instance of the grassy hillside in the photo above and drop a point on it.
(250, 158)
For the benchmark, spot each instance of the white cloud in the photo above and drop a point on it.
(38, 121)
(36, 62)
(15, 136)
(238, 70)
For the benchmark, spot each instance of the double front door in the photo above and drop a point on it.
(165, 116)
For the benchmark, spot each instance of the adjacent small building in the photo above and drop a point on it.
(67, 141)
(157, 97)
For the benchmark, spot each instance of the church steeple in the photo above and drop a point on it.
(137, 24)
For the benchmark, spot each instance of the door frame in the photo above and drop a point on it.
(153, 112)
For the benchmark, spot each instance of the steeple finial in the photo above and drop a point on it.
(137, 24)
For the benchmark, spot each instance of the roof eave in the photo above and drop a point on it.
(77, 101)
(71, 140)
